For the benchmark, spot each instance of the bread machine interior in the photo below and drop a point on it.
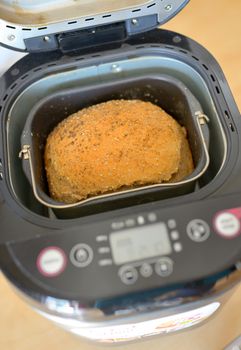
(117, 267)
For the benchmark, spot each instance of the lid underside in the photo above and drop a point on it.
(25, 19)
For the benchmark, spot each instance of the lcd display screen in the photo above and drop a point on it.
(140, 243)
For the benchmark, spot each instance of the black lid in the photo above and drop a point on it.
(36, 25)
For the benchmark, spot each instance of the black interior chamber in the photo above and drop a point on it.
(163, 90)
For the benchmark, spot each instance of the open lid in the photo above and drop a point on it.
(37, 25)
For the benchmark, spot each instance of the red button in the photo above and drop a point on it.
(227, 223)
(51, 261)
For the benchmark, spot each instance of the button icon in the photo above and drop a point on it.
(152, 217)
(198, 230)
(146, 270)
(51, 261)
(177, 247)
(81, 255)
(175, 235)
(227, 225)
(128, 274)
(164, 267)
(172, 224)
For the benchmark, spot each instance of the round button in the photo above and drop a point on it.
(164, 267)
(198, 230)
(227, 225)
(81, 255)
(51, 261)
(128, 274)
(146, 270)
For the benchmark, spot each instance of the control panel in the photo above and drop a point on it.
(136, 252)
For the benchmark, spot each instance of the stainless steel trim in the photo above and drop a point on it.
(202, 119)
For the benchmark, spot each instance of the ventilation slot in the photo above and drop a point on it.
(217, 89)
(149, 6)
(204, 66)
(106, 16)
(73, 22)
(195, 58)
(231, 127)
(183, 51)
(42, 28)
(13, 86)
(11, 27)
(79, 59)
(212, 77)
(1, 108)
(89, 19)
(5, 97)
(24, 77)
(27, 29)
(52, 64)
(227, 114)
(137, 10)
(169, 47)
(37, 69)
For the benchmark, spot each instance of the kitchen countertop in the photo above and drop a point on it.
(216, 25)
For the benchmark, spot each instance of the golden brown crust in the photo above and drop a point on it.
(113, 145)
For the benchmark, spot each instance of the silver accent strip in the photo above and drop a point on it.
(202, 119)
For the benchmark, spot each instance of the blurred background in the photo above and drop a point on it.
(216, 25)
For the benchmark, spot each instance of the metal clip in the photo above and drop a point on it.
(25, 152)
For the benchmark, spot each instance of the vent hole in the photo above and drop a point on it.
(231, 127)
(106, 16)
(212, 77)
(195, 58)
(79, 59)
(11, 27)
(137, 10)
(89, 19)
(96, 56)
(1, 108)
(24, 77)
(169, 47)
(13, 86)
(5, 97)
(140, 47)
(155, 45)
(204, 65)
(26, 29)
(42, 28)
(151, 5)
(37, 69)
(227, 114)
(183, 51)
(52, 64)
(73, 22)
(217, 89)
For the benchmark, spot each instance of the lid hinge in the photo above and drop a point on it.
(80, 39)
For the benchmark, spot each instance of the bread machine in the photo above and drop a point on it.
(123, 270)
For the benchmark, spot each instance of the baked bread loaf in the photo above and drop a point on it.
(112, 146)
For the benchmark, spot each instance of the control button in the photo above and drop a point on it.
(51, 261)
(198, 230)
(141, 220)
(102, 238)
(104, 250)
(164, 267)
(128, 274)
(177, 247)
(81, 255)
(175, 235)
(227, 225)
(105, 262)
(130, 222)
(146, 270)
(117, 225)
(152, 217)
(172, 224)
